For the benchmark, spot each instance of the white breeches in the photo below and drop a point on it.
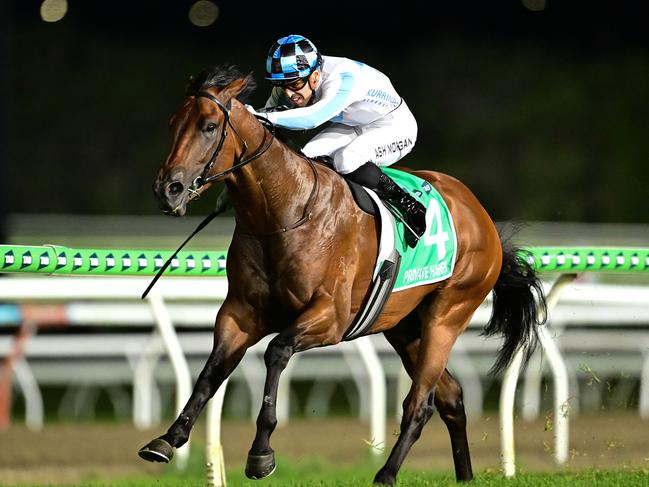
(382, 142)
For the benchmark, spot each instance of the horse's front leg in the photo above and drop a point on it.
(314, 327)
(234, 333)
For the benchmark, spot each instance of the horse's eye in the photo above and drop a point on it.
(210, 127)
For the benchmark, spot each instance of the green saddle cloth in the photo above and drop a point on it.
(433, 259)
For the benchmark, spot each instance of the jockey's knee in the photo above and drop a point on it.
(347, 160)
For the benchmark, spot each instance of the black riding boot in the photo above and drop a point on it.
(412, 211)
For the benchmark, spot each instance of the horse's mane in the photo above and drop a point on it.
(221, 76)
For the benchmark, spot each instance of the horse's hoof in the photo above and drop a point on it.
(157, 450)
(384, 478)
(260, 466)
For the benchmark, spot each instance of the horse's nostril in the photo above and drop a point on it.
(175, 188)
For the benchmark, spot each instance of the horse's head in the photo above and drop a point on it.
(204, 142)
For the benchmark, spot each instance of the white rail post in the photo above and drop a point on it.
(146, 396)
(31, 393)
(377, 392)
(213, 448)
(507, 395)
(561, 391)
(178, 362)
(361, 377)
(508, 390)
(531, 407)
(560, 374)
(644, 388)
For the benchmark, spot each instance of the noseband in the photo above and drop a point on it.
(203, 179)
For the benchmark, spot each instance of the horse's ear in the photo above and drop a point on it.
(241, 86)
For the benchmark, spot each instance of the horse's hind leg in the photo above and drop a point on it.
(449, 403)
(447, 397)
(442, 323)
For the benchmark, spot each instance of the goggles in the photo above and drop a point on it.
(293, 84)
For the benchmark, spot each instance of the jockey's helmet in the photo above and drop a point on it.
(292, 57)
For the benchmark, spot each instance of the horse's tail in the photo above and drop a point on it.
(518, 307)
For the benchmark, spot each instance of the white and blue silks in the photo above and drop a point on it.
(370, 121)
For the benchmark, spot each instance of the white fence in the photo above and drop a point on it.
(178, 302)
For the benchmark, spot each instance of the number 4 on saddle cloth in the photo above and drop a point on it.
(399, 266)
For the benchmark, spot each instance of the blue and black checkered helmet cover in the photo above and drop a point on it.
(292, 57)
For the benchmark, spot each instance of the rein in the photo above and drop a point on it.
(203, 179)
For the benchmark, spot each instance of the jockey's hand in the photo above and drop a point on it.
(252, 110)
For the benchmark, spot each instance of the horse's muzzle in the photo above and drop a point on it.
(172, 197)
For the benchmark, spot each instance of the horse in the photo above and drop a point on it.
(300, 265)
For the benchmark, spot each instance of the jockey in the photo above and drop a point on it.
(370, 126)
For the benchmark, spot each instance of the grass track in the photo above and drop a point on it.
(608, 450)
(313, 473)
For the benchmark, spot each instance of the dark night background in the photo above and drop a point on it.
(544, 114)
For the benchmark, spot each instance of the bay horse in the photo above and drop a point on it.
(300, 265)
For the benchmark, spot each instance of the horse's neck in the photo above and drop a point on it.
(271, 192)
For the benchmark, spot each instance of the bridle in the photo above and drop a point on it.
(203, 179)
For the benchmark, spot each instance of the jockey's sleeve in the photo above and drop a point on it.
(336, 96)
(275, 98)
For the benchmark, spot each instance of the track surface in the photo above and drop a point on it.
(70, 453)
